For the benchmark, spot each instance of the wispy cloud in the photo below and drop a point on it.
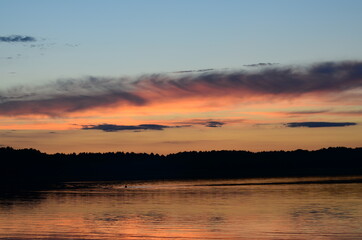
(356, 112)
(195, 71)
(308, 112)
(319, 124)
(116, 128)
(260, 64)
(17, 38)
(60, 98)
(324, 112)
(214, 124)
(205, 122)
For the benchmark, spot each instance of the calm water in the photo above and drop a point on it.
(224, 209)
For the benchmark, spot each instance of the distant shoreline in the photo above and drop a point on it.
(31, 167)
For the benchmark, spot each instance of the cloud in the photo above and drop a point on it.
(17, 38)
(116, 128)
(356, 112)
(214, 124)
(323, 111)
(278, 82)
(260, 64)
(307, 112)
(204, 122)
(62, 97)
(319, 124)
(195, 71)
(330, 79)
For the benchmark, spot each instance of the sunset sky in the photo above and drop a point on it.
(169, 76)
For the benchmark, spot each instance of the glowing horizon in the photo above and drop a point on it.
(260, 76)
(272, 108)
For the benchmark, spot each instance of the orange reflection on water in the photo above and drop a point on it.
(227, 209)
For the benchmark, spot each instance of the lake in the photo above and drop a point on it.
(263, 209)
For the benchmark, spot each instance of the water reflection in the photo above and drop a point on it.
(223, 209)
(9, 200)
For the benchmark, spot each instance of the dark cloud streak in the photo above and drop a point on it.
(17, 38)
(204, 122)
(116, 128)
(260, 64)
(195, 71)
(214, 124)
(319, 124)
(142, 127)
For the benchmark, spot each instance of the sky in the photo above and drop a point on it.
(169, 76)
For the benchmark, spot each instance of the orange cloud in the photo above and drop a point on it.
(332, 81)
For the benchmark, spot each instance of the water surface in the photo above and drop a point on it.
(263, 209)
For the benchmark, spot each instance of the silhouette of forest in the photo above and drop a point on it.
(30, 166)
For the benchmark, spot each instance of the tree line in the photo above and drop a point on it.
(25, 166)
